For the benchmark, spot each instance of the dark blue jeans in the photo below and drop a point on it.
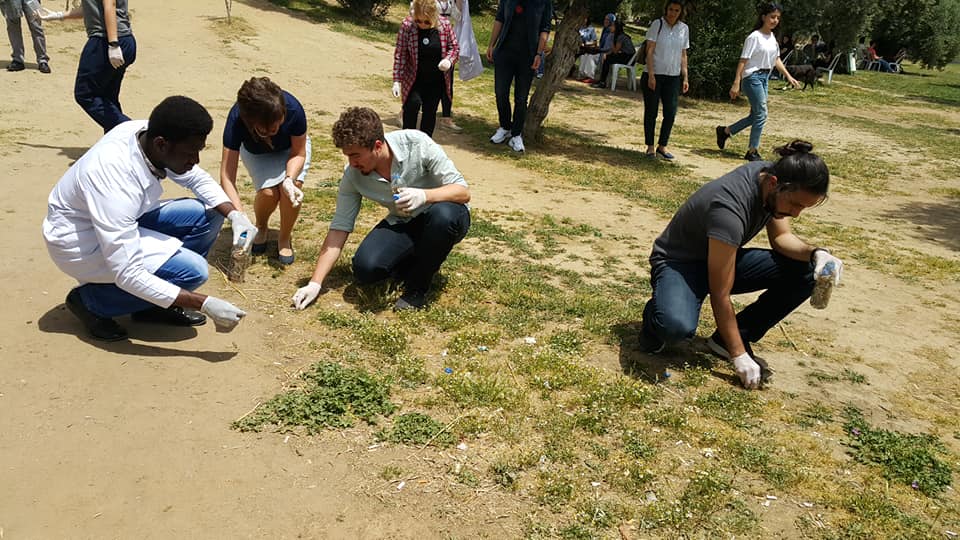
(411, 251)
(97, 88)
(512, 69)
(668, 93)
(187, 219)
(680, 288)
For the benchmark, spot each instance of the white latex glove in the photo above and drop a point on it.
(224, 314)
(241, 224)
(115, 54)
(48, 15)
(820, 259)
(410, 198)
(444, 65)
(306, 295)
(396, 89)
(292, 191)
(748, 370)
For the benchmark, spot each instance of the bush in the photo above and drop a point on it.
(374, 8)
(717, 31)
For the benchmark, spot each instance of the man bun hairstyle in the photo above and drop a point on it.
(178, 118)
(800, 169)
(358, 126)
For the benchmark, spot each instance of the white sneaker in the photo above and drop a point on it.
(500, 136)
(516, 143)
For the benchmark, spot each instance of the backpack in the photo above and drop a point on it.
(642, 55)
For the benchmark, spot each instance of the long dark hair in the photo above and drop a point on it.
(766, 8)
(617, 28)
(799, 169)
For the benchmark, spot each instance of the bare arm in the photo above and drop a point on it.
(786, 74)
(329, 253)
(721, 266)
(297, 157)
(110, 19)
(651, 74)
(494, 34)
(784, 242)
(683, 72)
(454, 193)
(735, 87)
(228, 175)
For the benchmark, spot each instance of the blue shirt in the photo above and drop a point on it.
(294, 124)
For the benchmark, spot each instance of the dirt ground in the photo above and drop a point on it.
(133, 440)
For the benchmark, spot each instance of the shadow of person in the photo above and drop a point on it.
(73, 153)
(655, 368)
(60, 321)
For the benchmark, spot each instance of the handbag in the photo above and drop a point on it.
(642, 55)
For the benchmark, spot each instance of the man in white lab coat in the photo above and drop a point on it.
(132, 252)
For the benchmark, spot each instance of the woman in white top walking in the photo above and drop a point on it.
(667, 42)
(760, 54)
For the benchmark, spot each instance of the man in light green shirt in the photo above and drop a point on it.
(426, 198)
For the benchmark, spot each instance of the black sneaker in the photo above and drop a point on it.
(44, 67)
(649, 343)
(752, 155)
(411, 300)
(722, 136)
(173, 316)
(101, 328)
(717, 346)
(16, 66)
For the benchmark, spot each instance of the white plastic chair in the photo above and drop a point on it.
(829, 70)
(631, 67)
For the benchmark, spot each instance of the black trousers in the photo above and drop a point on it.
(425, 96)
(611, 59)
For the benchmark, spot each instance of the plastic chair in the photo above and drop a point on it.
(895, 66)
(829, 70)
(631, 67)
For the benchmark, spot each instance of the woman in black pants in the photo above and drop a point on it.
(621, 53)
(668, 39)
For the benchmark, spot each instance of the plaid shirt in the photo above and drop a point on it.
(405, 55)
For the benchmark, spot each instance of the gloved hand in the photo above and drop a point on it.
(410, 199)
(224, 314)
(396, 89)
(444, 65)
(292, 191)
(820, 259)
(115, 54)
(240, 224)
(306, 295)
(748, 370)
(48, 15)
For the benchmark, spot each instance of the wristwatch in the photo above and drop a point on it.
(113, 43)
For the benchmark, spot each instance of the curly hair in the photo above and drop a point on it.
(358, 126)
(260, 102)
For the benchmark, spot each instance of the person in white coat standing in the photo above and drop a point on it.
(132, 252)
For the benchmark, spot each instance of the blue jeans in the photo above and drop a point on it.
(411, 251)
(755, 88)
(97, 87)
(512, 69)
(680, 288)
(187, 219)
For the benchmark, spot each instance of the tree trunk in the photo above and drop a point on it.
(566, 43)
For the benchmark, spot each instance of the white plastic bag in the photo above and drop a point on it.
(471, 65)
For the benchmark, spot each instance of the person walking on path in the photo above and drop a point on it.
(664, 75)
(519, 36)
(267, 129)
(426, 197)
(13, 11)
(423, 60)
(110, 50)
(760, 54)
(132, 252)
(701, 252)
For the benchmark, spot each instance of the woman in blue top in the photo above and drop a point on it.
(267, 129)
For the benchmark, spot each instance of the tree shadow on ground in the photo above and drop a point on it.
(58, 320)
(322, 12)
(940, 221)
(660, 367)
(73, 153)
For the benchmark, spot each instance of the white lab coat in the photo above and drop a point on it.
(91, 226)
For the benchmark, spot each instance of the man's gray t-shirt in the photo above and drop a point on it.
(729, 209)
(93, 18)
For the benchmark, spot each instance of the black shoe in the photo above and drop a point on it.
(16, 66)
(173, 316)
(722, 136)
(649, 343)
(101, 328)
(717, 346)
(752, 155)
(411, 300)
(598, 84)
(44, 67)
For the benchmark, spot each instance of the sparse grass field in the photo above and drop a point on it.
(513, 358)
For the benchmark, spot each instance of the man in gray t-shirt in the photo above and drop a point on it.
(701, 252)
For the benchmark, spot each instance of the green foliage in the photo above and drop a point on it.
(717, 31)
(731, 405)
(837, 23)
(417, 428)
(332, 396)
(603, 407)
(636, 446)
(375, 8)
(928, 29)
(904, 457)
(707, 501)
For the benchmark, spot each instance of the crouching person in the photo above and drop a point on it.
(131, 252)
(425, 196)
(701, 252)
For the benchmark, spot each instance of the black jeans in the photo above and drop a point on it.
(512, 69)
(446, 100)
(411, 251)
(667, 92)
(611, 59)
(425, 95)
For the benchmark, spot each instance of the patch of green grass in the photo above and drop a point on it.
(870, 514)
(604, 406)
(734, 406)
(636, 446)
(853, 377)
(914, 460)
(475, 385)
(555, 491)
(550, 370)
(472, 341)
(765, 461)
(707, 503)
(391, 473)
(813, 414)
(417, 429)
(668, 417)
(383, 338)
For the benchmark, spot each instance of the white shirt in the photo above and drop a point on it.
(91, 226)
(671, 42)
(761, 52)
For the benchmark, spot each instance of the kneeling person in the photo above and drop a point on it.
(131, 252)
(701, 252)
(426, 196)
